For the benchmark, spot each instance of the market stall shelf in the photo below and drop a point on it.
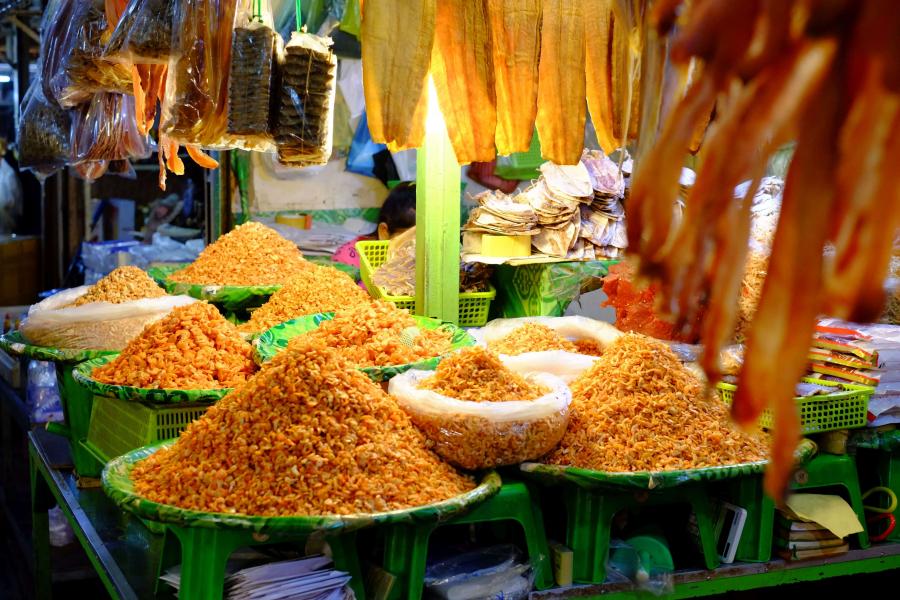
(207, 539)
(76, 401)
(231, 298)
(276, 339)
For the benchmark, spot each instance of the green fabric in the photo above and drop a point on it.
(231, 298)
(82, 374)
(871, 439)
(351, 21)
(118, 485)
(273, 341)
(650, 480)
(545, 289)
(15, 344)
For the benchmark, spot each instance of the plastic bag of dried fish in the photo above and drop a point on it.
(479, 414)
(105, 130)
(303, 133)
(144, 33)
(196, 100)
(56, 323)
(43, 134)
(74, 65)
(253, 78)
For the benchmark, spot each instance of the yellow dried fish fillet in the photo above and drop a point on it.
(397, 37)
(562, 82)
(516, 43)
(624, 60)
(463, 73)
(596, 59)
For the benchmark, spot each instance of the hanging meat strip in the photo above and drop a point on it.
(597, 33)
(516, 44)
(397, 38)
(562, 82)
(463, 75)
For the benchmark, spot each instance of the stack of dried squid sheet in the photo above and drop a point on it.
(251, 81)
(828, 75)
(502, 67)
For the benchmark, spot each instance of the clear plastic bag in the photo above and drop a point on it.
(43, 135)
(144, 33)
(54, 323)
(573, 327)
(482, 435)
(196, 100)
(303, 133)
(105, 130)
(494, 572)
(42, 393)
(252, 80)
(75, 66)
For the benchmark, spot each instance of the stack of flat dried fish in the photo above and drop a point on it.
(303, 132)
(250, 82)
(500, 214)
(603, 221)
(556, 198)
(828, 75)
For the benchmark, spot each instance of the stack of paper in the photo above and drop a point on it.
(302, 579)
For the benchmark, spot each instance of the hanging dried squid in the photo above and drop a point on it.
(828, 75)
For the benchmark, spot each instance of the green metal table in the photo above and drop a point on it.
(126, 555)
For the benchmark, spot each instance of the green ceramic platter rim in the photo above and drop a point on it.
(652, 480)
(271, 342)
(14, 343)
(230, 297)
(118, 485)
(82, 374)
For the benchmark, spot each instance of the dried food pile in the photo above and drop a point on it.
(307, 436)
(314, 290)
(250, 254)
(531, 337)
(194, 347)
(378, 334)
(123, 284)
(477, 375)
(480, 414)
(638, 409)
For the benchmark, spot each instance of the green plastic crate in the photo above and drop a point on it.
(119, 426)
(845, 409)
(473, 306)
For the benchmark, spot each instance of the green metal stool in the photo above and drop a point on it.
(756, 539)
(829, 470)
(590, 516)
(203, 553)
(406, 545)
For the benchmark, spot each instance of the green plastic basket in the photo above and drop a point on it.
(473, 306)
(521, 165)
(119, 426)
(845, 409)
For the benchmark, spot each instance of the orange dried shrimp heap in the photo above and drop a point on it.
(531, 337)
(309, 435)
(372, 334)
(123, 284)
(193, 347)
(477, 375)
(314, 290)
(638, 409)
(251, 254)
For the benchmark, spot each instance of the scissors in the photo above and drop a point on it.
(880, 513)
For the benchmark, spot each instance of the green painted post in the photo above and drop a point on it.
(437, 220)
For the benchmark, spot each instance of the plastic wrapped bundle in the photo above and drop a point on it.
(43, 135)
(144, 34)
(196, 106)
(105, 130)
(252, 58)
(75, 66)
(306, 112)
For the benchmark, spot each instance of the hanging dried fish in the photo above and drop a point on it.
(397, 37)
(562, 82)
(516, 44)
(827, 74)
